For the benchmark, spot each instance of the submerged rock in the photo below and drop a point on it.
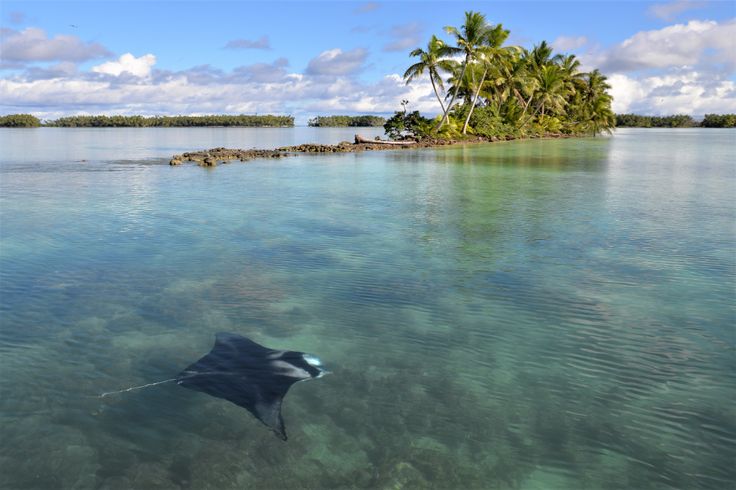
(405, 475)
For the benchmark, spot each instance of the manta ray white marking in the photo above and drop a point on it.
(312, 361)
(315, 363)
(291, 370)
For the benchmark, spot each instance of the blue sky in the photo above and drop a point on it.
(306, 58)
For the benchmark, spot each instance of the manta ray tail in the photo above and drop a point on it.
(103, 395)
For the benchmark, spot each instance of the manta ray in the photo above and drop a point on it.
(249, 375)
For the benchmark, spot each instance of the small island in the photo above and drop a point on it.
(365, 121)
(675, 121)
(101, 121)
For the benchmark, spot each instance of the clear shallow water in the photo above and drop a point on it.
(83, 145)
(533, 315)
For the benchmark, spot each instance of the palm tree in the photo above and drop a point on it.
(541, 55)
(490, 54)
(475, 78)
(430, 60)
(569, 64)
(597, 103)
(522, 83)
(596, 83)
(471, 35)
(465, 87)
(574, 79)
(501, 78)
(552, 90)
(600, 116)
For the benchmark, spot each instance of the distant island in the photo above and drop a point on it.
(30, 121)
(242, 120)
(675, 121)
(347, 121)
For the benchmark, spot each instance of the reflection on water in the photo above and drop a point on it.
(534, 315)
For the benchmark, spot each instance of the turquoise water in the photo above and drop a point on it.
(529, 315)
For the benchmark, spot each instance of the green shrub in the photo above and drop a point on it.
(486, 122)
(19, 121)
(347, 121)
(408, 125)
(719, 121)
(547, 124)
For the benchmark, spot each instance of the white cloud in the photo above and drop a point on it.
(684, 68)
(262, 72)
(677, 45)
(669, 11)
(569, 43)
(32, 44)
(58, 70)
(686, 93)
(127, 63)
(302, 95)
(335, 62)
(627, 93)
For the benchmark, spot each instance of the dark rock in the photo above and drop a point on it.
(210, 158)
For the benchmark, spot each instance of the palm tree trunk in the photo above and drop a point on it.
(437, 93)
(475, 101)
(526, 106)
(526, 103)
(445, 117)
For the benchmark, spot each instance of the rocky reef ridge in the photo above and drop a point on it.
(215, 156)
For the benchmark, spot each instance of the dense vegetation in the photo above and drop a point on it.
(637, 121)
(499, 91)
(719, 121)
(676, 121)
(345, 121)
(19, 121)
(172, 121)
(27, 120)
(412, 123)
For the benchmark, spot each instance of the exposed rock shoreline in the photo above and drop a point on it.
(215, 156)
(210, 158)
